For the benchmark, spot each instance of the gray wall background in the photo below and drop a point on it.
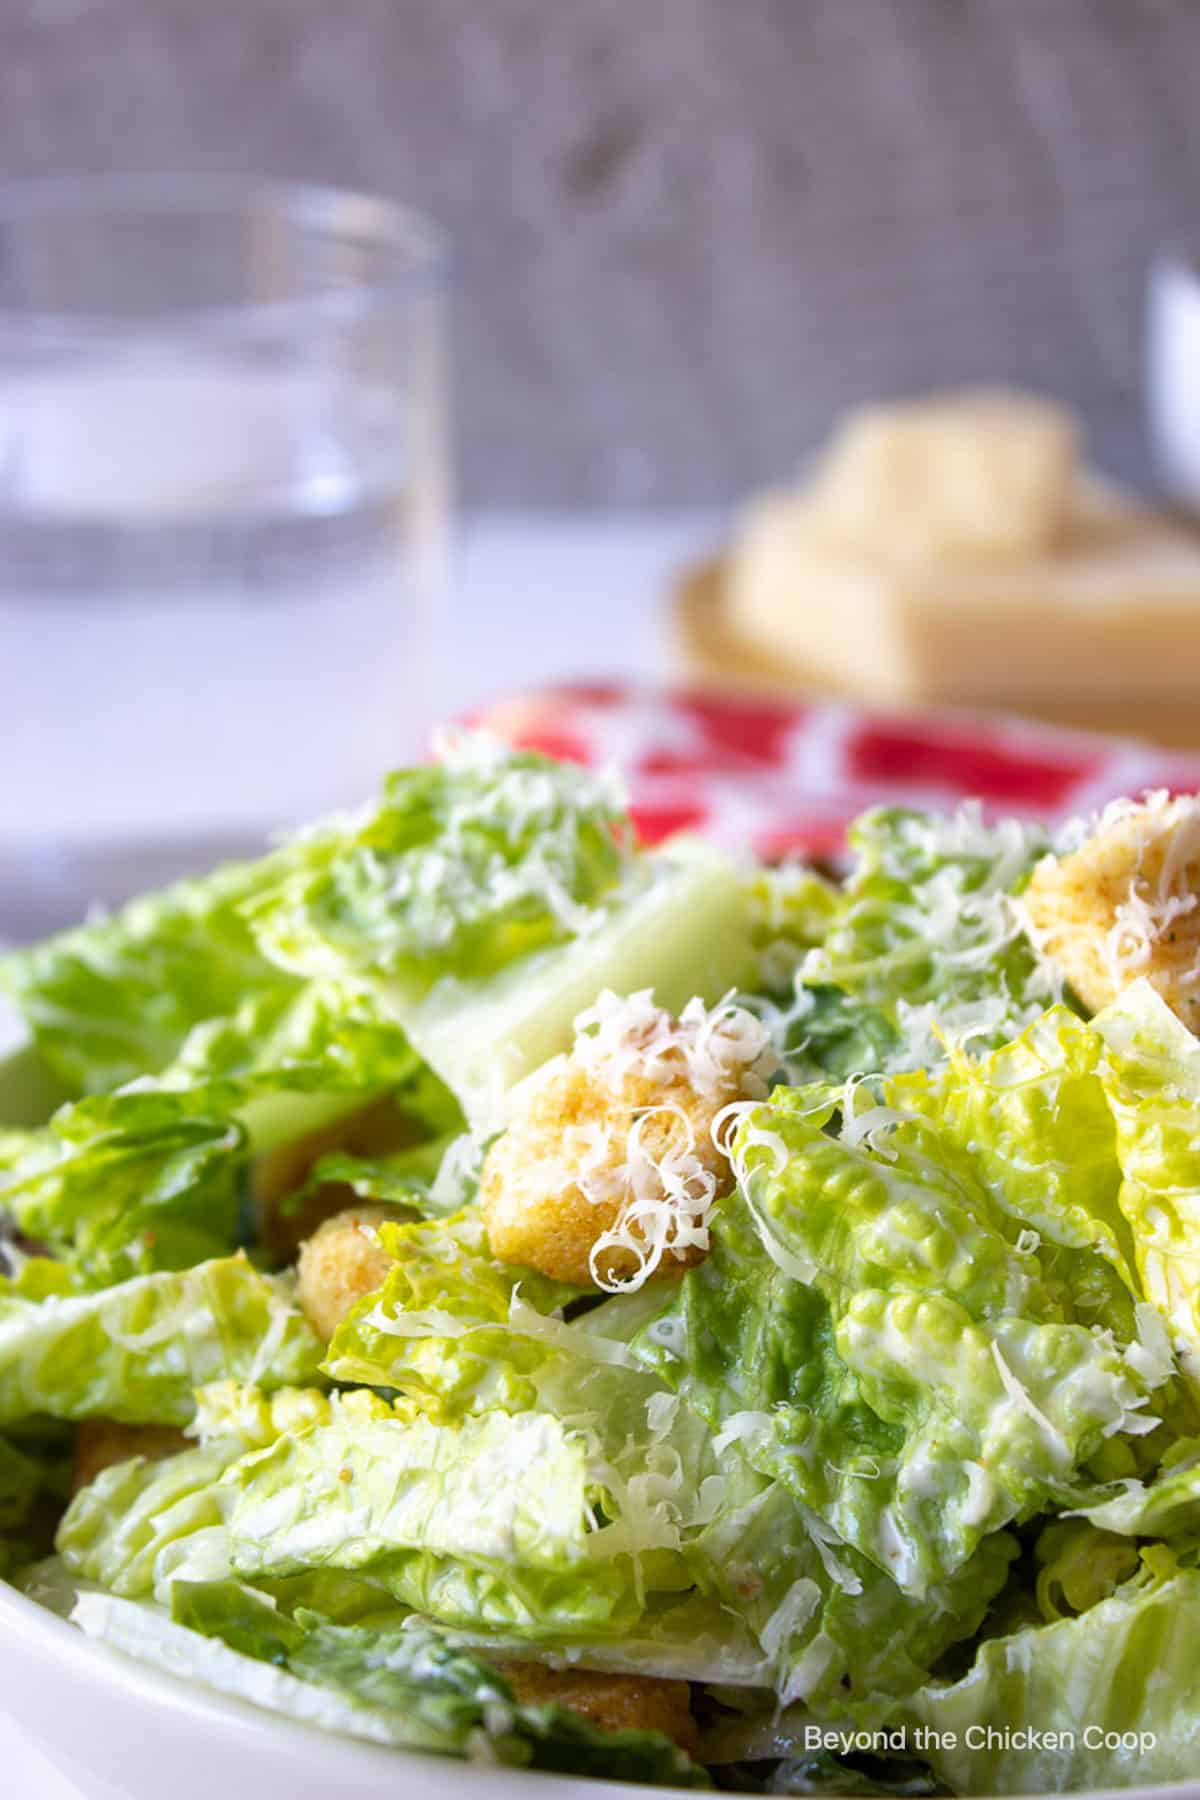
(689, 231)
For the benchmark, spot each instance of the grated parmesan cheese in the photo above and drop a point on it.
(622, 1128)
(1125, 902)
(1056, 1443)
(1154, 903)
(717, 1050)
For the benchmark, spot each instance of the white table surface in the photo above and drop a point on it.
(532, 600)
(538, 599)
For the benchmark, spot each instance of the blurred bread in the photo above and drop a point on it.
(955, 553)
(981, 474)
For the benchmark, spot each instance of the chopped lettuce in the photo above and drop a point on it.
(922, 938)
(1078, 1566)
(136, 1352)
(143, 1524)
(1103, 1700)
(115, 998)
(956, 1332)
(154, 1176)
(678, 1637)
(436, 1177)
(925, 914)
(438, 1329)
(912, 1447)
(254, 1417)
(457, 870)
(486, 901)
(1165, 1506)
(1037, 1122)
(791, 909)
(486, 1523)
(1153, 1084)
(677, 923)
(121, 1185)
(406, 1687)
(827, 1619)
(129, 1529)
(285, 1064)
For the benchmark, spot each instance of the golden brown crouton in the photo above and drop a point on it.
(341, 1263)
(99, 1443)
(538, 1210)
(608, 1171)
(614, 1702)
(372, 1131)
(1126, 904)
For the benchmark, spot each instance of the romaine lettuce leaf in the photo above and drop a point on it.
(1165, 1506)
(493, 1572)
(922, 944)
(121, 1185)
(115, 999)
(1036, 1119)
(154, 1176)
(825, 1034)
(791, 909)
(829, 1621)
(243, 1617)
(255, 1417)
(1152, 1079)
(136, 1352)
(689, 1637)
(384, 1669)
(434, 1178)
(676, 923)
(488, 900)
(456, 871)
(488, 1523)
(122, 1527)
(1078, 1566)
(438, 1329)
(407, 1687)
(924, 914)
(142, 1525)
(948, 1320)
(286, 1064)
(1103, 1700)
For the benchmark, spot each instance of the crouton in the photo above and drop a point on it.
(1126, 904)
(341, 1263)
(99, 1443)
(614, 1702)
(609, 1169)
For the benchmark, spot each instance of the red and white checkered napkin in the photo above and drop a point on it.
(781, 776)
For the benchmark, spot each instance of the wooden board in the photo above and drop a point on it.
(713, 653)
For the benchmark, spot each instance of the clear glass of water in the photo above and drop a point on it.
(223, 504)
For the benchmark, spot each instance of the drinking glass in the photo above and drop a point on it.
(223, 503)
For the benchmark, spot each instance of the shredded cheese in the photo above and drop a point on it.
(1153, 904)
(716, 1051)
(667, 1189)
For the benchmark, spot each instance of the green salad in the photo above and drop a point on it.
(475, 1284)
